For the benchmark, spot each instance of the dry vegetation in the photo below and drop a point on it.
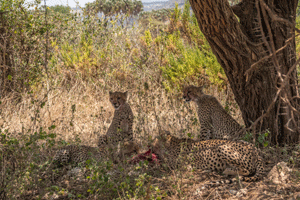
(68, 103)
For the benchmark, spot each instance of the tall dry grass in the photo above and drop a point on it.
(152, 107)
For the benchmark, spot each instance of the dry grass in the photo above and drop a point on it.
(93, 112)
(92, 116)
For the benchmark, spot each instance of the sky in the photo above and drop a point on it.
(72, 3)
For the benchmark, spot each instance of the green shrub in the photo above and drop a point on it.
(189, 56)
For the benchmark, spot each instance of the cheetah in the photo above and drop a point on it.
(78, 154)
(121, 127)
(216, 155)
(215, 122)
(120, 130)
(74, 155)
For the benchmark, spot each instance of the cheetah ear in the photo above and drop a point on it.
(110, 92)
(201, 88)
(169, 138)
(167, 133)
(164, 133)
(126, 94)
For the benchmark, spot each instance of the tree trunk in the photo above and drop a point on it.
(266, 102)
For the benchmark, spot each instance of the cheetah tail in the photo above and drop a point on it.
(258, 173)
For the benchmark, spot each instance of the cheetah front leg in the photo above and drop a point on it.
(205, 127)
(124, 126)
(233, 172)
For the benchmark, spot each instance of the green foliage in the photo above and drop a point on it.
(22, 35)
(26, 36)
(148, 38)
(183, 62)
(88, 45)
(160, 15)
(20, 159)
(23, 166)
(113, 7)
(79, 57)
(187, 63)
(261, 139)
(176, 14)
(61, 9)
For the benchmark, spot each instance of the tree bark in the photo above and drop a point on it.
(257, 37)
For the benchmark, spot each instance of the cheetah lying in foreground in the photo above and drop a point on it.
(76, 154)
(216, 155)
(215, 122)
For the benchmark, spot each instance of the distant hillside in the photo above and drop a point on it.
(159, 4)
(171, 3)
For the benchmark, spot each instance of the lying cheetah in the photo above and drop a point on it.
(216, 155)
(215, 122)
(76, 154)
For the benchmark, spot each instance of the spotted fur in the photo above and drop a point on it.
(215, 122)
(121, 126)
(216, 155)
(76, 154)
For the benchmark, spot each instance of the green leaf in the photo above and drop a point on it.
(52, 127)
(105, 179)
(52, 135)
(266, 134)
(73, 107)
(9, 77)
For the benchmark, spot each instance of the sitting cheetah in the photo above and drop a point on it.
(120, 129)
(215, 122)
(121, 126)
(217, 155)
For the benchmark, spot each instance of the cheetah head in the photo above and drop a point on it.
(130, 147)
(192, 93)
(161, 144)
(102, 140)
(118, 99)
